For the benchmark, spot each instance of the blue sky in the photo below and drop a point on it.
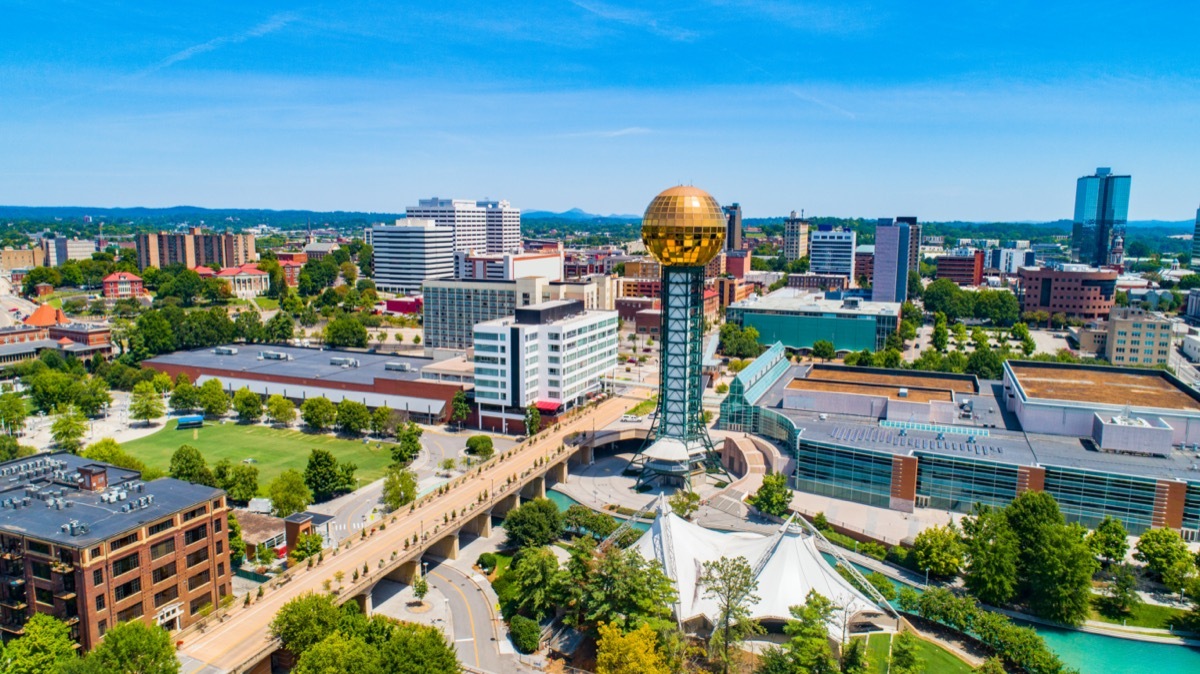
(944, 110)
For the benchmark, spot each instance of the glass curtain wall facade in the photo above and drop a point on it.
(851, 474)
(1101, 209)
(950, 483)
(1086, 496)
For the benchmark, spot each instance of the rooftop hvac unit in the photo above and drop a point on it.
(398, 367)
(903, 393)
(121, 495)
(225, 351)
(344, 362)
(273, 355)
(149, 499)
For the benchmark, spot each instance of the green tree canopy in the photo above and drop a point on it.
(281, 410)
(939, 550)
(188, 464)
(480, 446)
(346, 331)
(992, 554)
(824, 350)
(353, 417)
(319, 413)
(535, 582)
(133, 646)
(46, 647)
(1060, 574)
(68, 428)
(774, 496)
(399, 487)
(326, 477)
(213, 399)
(304, 621)
(533, 524)
(248, 404)
(731, 583)
(1110, 540)
(289, 494)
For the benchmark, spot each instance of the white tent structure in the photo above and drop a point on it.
(787, 565)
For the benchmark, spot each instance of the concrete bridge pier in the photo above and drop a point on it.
(558, 473)
(505, 505)
(535, 488)
(480, 525)
(406, 573)
(445, 547)
(364, 601)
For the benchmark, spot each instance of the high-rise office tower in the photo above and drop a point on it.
(914, 241)
(832, 252)
(1196, 238)
(479, 226)
(891, 261)
(733, 226)
(1101, 208)
(795, 237)
(411, 252)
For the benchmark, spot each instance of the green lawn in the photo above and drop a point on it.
(941, 661)
(274, 450)
(266, 303)
(1145, 615)
(878, 648)
(645, 407)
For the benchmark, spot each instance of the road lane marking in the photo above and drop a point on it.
(470, 614)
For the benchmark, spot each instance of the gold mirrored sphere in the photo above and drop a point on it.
(684, 227)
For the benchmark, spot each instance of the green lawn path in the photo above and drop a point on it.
(1144, 615)
(937, 659)
(273, 449)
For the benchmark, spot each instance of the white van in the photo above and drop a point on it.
(631, 418)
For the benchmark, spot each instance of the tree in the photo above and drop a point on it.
(941, 336)
(338, 653)
(1160, 549)
(281, 328)
(307, 545)
(346, 331)
(10, 449)
(326, 477)
(823, 349)
(526, 634)
(1122, 596)
(533, 524)
(383, 421)
(319, 413)
(107, 450)
(248, 327)
(188, 464)
(241, 482)
(237, 545)
(418, 649)
(281, 410)
(774, 496)
(68, 428)
(185, 396)
(304, 621)
(46, 647)
(617, 586)
(684, 503)
(1027, 515)
(533, 420)
(353, 417)
(1109, 541)
(480, 446)
(1060, 574)
(906, 655)
(992, 554)
(248, 404)
(992, 665)
(534, 583)
(213, 399)
(409, 445)
(289, 494)
(635, 652)
(732, 584)
(459, 409)
(13, 412)
(134, 646)
(399, 487)
(939, 550)
(808, 649)
(854, 657)
(985, 363)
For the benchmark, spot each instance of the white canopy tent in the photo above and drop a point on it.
(786, 564)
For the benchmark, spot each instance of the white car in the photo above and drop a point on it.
(631, 418)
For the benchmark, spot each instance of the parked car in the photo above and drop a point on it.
(631, 418)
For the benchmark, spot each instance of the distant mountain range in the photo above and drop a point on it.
(575, 214)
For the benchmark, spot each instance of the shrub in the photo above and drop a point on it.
(526, 634)
(873, 550)
(487, 561)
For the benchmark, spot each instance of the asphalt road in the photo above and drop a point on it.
(474, 636)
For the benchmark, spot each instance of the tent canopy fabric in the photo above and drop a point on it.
(787, 566)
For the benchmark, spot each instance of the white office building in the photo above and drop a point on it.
(795, 237)
(508, 266)
(409, 253)
(831, 251)
(554, 355)
(479, 226)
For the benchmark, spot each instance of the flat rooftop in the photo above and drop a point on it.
(304, 363)
(798, 300)
(919, 395)
(51, 483)
(1148, 388)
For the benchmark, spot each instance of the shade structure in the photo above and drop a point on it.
(786, 564)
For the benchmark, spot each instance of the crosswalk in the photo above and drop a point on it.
(353, 526)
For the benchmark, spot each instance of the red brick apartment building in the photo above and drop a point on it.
(94, 545)
(965, 270)
(1078, 291)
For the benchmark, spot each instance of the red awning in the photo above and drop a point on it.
(547, 406)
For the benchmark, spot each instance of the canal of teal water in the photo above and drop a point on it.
(1089, 653)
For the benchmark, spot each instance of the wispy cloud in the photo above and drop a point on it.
(804, 96)
(608, 133)
(637, 18)
(271, 25)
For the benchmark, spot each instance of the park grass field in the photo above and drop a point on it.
(274, 450)
(879, 646)
(1143, 615)
(936, 659)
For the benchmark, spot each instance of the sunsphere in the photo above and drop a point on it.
(683, 227)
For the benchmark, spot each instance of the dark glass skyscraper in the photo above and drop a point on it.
(733, 226)
(1101, 208)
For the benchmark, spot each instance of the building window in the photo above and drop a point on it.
(44, 596)
(97, 551)
(197, 557)
(197, 534)
(220, 547)
(162, 526)
(36, 547)
(197, 604)
(159, 549)
(163, 572)
(125, 564)
(130, 613)
(40, 570)
(98, 577)
(193, 514)
(199, 579)
(122, 542)
(99, 602)
(102, 627)
(217, 526)
(127, 589)
(166, 595)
